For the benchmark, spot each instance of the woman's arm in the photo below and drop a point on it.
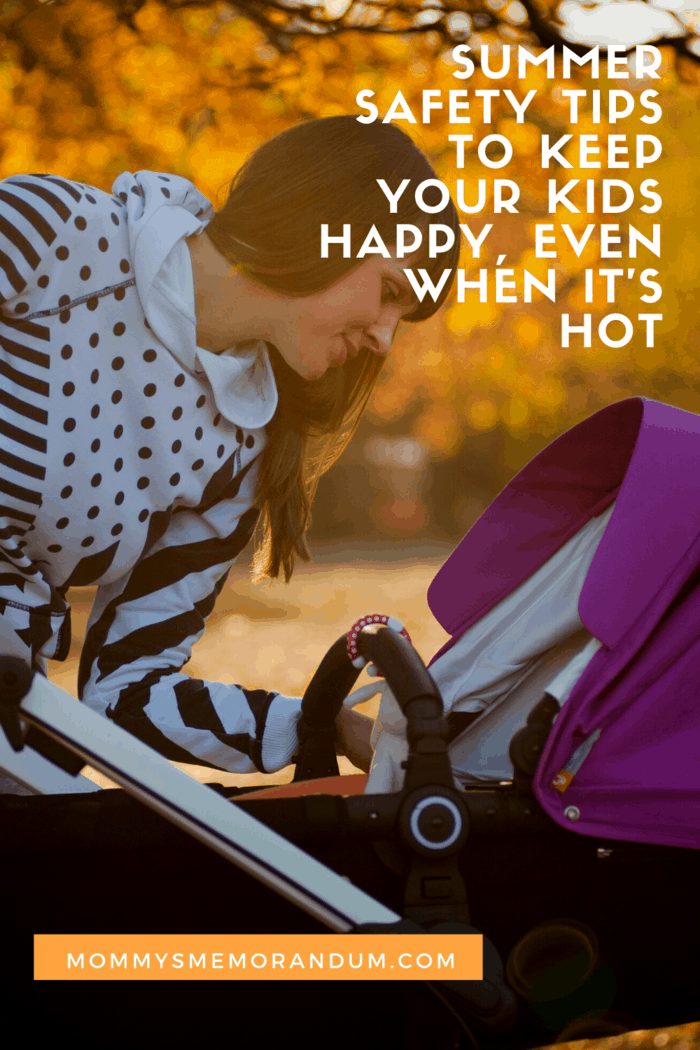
(352, 737)
(141, 633)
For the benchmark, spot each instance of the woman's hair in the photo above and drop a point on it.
(324, 171)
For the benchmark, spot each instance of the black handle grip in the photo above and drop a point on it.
(320, 707)
(407, 675)
(329, 686)
(408, 679)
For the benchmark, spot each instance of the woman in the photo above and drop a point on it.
(170, 376)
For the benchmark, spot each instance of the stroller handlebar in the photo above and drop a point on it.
(406, 674)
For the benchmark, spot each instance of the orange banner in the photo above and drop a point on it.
(258, 957)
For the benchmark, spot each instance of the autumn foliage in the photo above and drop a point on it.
(89, 89)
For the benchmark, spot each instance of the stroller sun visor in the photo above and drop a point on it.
(634, 713)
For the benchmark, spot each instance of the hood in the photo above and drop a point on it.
(162, 211)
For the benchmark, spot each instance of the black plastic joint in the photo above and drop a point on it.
(431, 744)
(314, 737)
(427, 727)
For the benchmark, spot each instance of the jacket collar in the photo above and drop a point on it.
(162, 210)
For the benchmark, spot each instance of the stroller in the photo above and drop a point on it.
(554, 807)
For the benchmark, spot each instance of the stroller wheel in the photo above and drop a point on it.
(556, 969)
(553, 959)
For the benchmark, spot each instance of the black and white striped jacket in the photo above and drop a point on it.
(116, 469)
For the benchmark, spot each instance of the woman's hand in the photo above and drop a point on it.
(352, 737)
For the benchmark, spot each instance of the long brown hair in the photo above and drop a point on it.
(324, 171)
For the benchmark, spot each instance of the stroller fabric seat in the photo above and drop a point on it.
(501, 666)
(622, 760)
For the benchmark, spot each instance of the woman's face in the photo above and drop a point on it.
(363, 309)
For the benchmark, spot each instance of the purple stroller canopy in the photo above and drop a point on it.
(640, 780)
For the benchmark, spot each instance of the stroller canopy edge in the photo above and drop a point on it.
(641, 780)
(572, 480)
(642, 453)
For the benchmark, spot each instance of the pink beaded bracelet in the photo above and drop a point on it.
(389, 621)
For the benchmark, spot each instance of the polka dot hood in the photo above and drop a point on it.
(128, 459)
(243, 385)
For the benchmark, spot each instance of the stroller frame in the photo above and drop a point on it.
(504, 819)
(151, 779)
(435, 890)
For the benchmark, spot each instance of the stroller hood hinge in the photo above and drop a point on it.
(527, 745)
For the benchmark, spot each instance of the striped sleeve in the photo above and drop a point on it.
(25, 235)
(141, 633)
(32, 211)
(34, 618)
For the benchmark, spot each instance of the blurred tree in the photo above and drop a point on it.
(502, 365)
(544, 22)
(90, 88)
